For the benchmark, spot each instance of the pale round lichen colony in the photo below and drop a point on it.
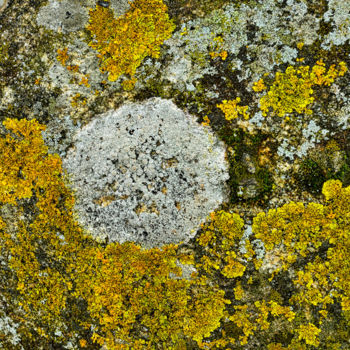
(147, 172)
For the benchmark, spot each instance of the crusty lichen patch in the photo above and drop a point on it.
(3, 4)
(147, 173)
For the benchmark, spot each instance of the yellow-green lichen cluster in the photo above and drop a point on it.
(220, 240)
(232, 110)
(31, 178)
(290, 92)
(125, 41)
(56, 265)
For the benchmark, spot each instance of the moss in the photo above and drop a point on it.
(240, 143)
(265, 182)
(322, 164)
(154, 87)
(311, 176)
(233, 140)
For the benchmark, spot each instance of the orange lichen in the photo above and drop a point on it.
(217, 48)
(73, 68)
(125, 41)
(84, 81)
(62, 56)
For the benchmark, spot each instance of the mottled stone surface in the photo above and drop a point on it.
(120, 6)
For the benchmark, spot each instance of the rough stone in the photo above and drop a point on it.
(187, 271)
(268, 31)
(147, 173)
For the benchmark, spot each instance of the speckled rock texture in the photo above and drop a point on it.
(146, 172)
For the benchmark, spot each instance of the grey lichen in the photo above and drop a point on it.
(267, 32)
(63, 16)
(146, 172)
(120, 6)
(338, 15)
(3, 4)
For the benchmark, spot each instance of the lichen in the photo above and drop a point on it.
(292, 90)
(125, 41)
(232, 110)
(123, 295)
(162, 192)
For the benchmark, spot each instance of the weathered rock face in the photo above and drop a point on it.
(146, 172)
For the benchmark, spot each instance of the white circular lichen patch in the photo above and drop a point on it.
(147, 172)
(64, 15)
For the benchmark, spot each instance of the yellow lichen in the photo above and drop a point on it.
(125, 41)
(300, 45)
(126, 289)
(259, 86)
(292, 91)
(27, 171)
(220, 239)
(62, 56)
(206, 121)
(239, 292)
(232, 110)
(309, 333)
(301, 230)
(331, 189)
(128, 292)
(217, 48)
